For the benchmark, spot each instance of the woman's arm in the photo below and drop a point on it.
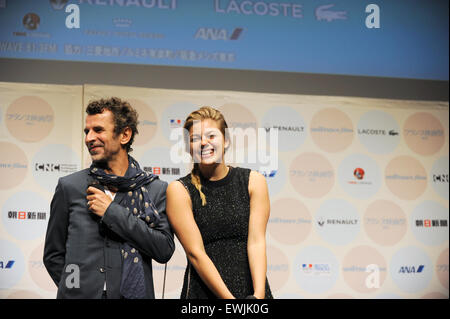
(179, 211)
(256, 245)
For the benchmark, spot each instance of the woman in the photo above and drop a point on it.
(219, 213)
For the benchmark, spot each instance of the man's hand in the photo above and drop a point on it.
(98, 201)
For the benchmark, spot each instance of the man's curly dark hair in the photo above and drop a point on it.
(124, 116)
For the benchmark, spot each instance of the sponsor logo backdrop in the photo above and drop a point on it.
(40, 141)
(359, 196)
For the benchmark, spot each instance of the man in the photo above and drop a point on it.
(108, 222)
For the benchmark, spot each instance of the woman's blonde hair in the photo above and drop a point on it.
(205, 112)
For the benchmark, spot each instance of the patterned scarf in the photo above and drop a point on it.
(138, 202)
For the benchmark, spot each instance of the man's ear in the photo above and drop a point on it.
(125, 136)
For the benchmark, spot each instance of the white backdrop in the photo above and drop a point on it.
(359, 199)
(39, 142)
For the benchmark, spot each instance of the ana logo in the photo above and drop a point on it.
(6, 264)
(175, 123)
(58, 4)
(358, 173)
(217, 34)
(31, 21)
(411, 269)
(268, 174)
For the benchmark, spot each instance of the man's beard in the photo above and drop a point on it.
(101, 163)
(104, 161)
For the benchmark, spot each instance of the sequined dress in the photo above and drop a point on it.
(223, 224)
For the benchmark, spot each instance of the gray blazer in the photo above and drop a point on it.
(79, 242)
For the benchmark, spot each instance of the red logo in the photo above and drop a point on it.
(359, 173)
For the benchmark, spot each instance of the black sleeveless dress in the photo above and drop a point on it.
(223, 224)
